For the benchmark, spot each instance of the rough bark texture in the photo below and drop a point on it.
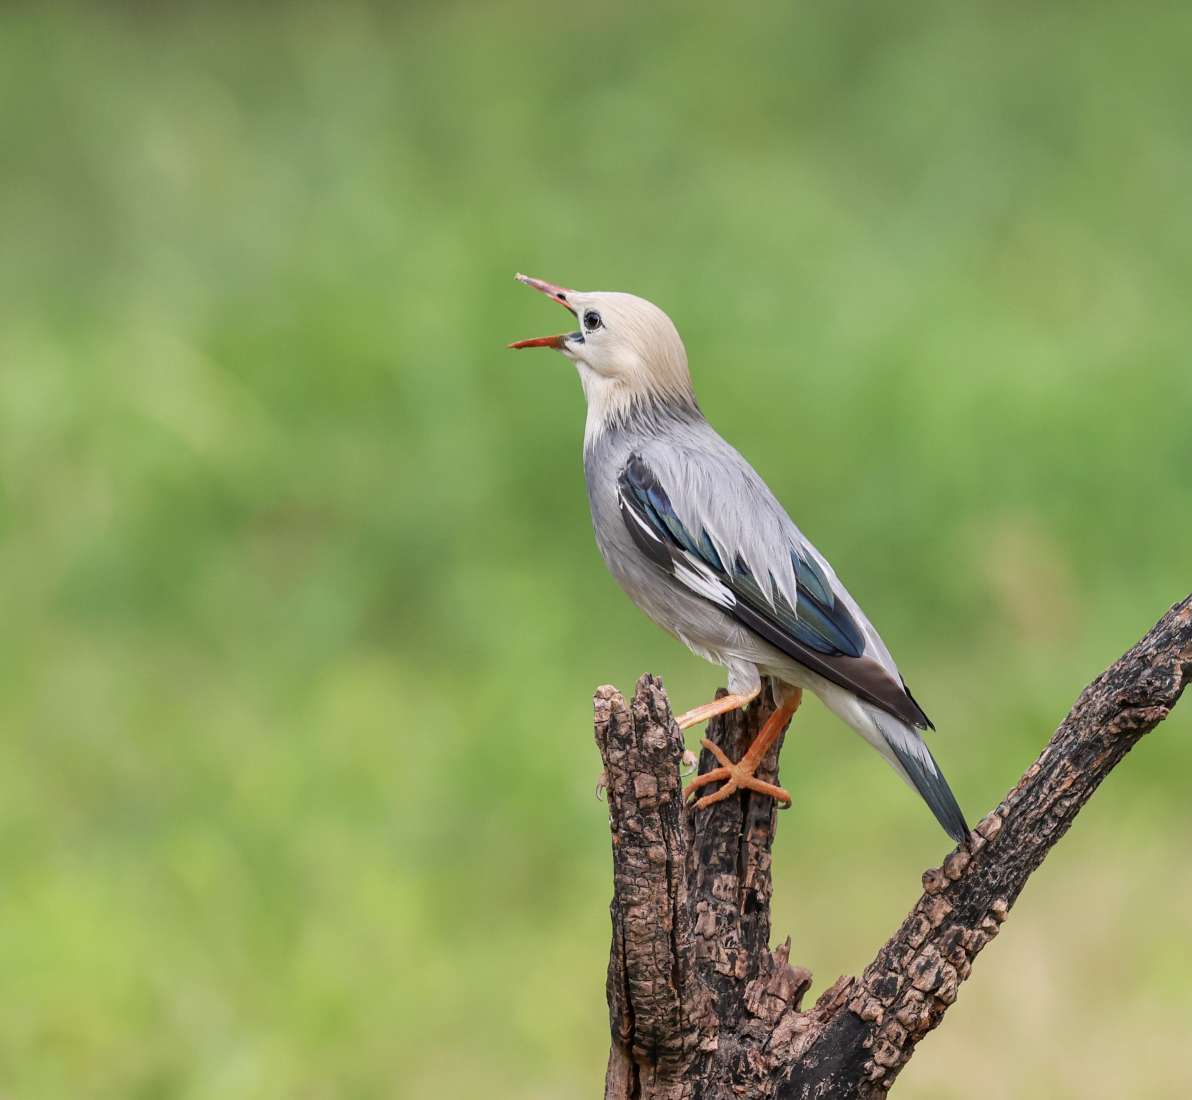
(699, 1005)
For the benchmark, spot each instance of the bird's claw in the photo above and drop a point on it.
(601, 785)
(737, 776)
(688, 763)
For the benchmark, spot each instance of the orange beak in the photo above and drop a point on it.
(559, 294)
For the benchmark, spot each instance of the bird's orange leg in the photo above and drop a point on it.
(740, 775)
(696, 715)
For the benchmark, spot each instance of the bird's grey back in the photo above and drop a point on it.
(711, 486)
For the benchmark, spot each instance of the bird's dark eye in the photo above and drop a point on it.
(592, 321)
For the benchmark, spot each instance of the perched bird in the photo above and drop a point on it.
(701, 545)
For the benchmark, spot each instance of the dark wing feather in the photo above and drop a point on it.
(819, 632)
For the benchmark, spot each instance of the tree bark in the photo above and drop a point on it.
(701, 1008)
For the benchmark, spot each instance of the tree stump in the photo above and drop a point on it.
(700, 1008)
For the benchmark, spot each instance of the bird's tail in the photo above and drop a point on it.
(912, 760)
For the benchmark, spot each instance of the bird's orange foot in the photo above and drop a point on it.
(737, 777)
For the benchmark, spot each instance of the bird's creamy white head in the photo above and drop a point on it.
(626, 351)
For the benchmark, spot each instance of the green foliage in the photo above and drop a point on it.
(301, 608)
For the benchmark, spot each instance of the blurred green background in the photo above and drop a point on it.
(302, 614)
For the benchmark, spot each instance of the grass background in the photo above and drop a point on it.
(301, 610)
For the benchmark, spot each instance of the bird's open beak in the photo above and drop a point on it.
(560, 295)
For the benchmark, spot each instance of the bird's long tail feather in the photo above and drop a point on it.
(913, 760)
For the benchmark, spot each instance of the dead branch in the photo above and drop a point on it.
(699, 1005)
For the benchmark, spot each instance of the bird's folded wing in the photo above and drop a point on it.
(752, 562)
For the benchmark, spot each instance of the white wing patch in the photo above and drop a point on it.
(642, 525)
(688, 571)
(700, 579)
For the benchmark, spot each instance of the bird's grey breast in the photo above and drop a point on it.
(603, 461)
(702, 626)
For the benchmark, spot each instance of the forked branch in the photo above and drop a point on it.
(700, 1007)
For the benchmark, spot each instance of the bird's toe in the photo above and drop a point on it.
(718, 752)
(718, 796)
(713, 776)
(779, 794)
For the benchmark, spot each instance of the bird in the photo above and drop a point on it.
(697, 540)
